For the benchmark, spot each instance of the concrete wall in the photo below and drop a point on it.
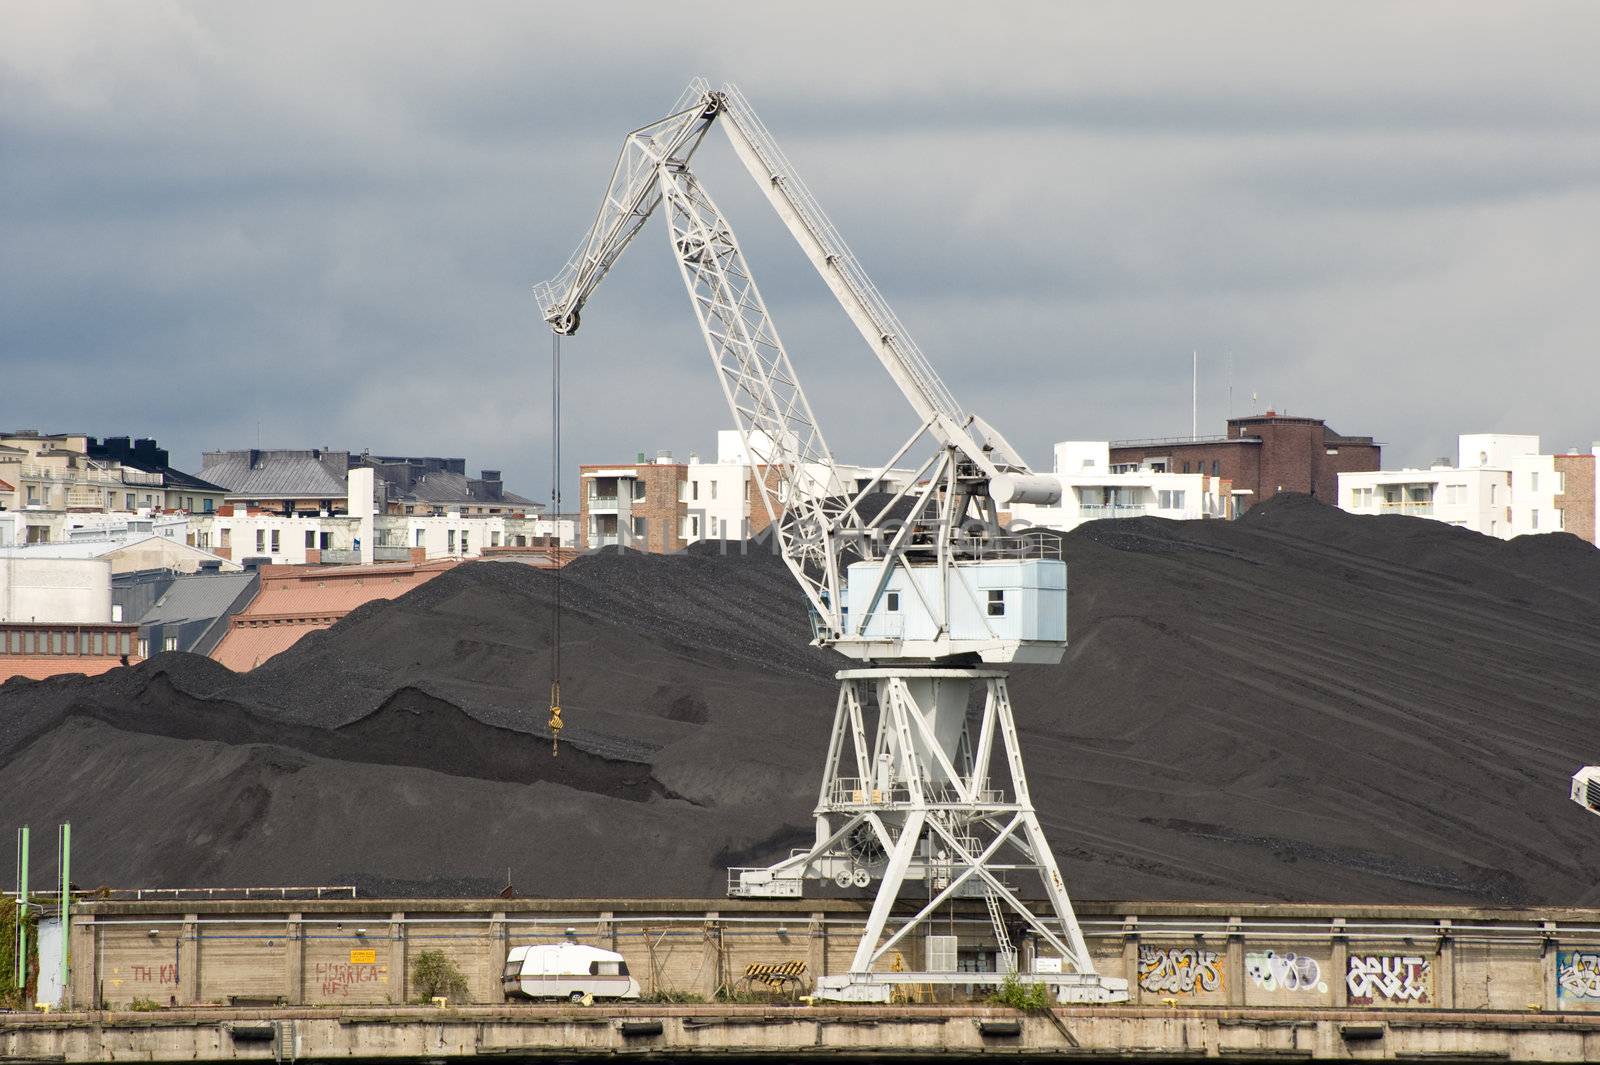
(56, 590)
(361, 951)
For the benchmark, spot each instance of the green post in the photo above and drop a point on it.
(66, 907)
(22, 910)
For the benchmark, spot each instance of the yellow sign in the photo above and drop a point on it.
(363, 957)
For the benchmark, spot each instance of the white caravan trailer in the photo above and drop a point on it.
(567, 970)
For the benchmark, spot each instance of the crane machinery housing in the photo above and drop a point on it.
(920, 585)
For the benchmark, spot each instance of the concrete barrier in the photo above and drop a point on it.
(906, 1033)
(355, 952)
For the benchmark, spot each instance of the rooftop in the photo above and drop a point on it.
(296, 600)
(313, 474)
(198, 597)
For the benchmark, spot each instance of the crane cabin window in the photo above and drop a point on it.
(891, 602)
(997, 602)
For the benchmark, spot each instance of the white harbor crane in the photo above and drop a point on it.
(919, 584)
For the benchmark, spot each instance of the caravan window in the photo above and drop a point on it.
(608, 968)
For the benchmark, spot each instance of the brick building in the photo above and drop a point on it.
(1262, 455)
(639, 505)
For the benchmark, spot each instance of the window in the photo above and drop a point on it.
(638, 489)
(464, 547)
(1533, 484)
(1216, 467)
(494, 538)
(1561, 519)
(997, 602)
(891, 602)
(210, 504)
(1561, 483)
(713, 489)
(205, 540)
(97, 643)
(417, 538)
(144, 648)
(261, 539)
(127, 499)
(1170, 500)
(1535, 519)
(311, 538)
(1185, 467)
(1492, 492)
(694, 489)
(326, 541)
(226, 535)
(274, 541)
(640, 529)
(450, 540)
(170, 643)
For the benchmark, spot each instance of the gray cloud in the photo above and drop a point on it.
(325, 219)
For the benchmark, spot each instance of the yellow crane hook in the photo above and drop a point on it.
(555, 718)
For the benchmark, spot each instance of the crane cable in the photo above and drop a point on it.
(555, 500)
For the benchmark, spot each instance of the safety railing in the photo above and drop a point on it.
(1417, 507)
(1021, 546)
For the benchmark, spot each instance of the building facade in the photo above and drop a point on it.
(628, 505)
(51, 478)
(311, 482)
(1259, 456)
(1090, 490)
(1501, 485)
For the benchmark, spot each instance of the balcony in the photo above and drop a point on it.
(81, 498)
(1091, 511)
(1421, 508)
(603, 540)
(341, 557)
(602, 504)
(391, 553)
(92, 475)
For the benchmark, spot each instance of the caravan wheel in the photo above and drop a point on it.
(576, 998)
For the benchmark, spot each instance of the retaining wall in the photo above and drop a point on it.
(360, 952)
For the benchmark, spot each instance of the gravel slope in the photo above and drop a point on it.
(1299, 705)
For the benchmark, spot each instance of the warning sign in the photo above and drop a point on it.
(364, 957)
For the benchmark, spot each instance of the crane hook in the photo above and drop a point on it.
(555, 719)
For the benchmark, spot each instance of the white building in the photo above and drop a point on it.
(721, 501)
(1501, 485)
(364, 536)
(1090, 490)
(44, 587)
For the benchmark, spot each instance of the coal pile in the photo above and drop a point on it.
(1300, 705)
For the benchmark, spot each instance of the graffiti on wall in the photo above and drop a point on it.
(1289, 971)
(335, 979)
(1390, 980)
(1577, 976)
(1179, 970)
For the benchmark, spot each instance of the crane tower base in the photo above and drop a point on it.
(933, 792)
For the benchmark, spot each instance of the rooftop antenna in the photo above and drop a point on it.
(1230, 386)
(1194, 397)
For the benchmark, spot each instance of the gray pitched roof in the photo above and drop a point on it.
(275, 474)
(443, 486)
(197, 598)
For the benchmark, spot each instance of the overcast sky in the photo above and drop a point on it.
(318, 224)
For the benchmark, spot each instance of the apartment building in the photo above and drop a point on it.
(642, 505)
(50, 477)
(1500, 485)
(718, 500)
(310, 482)
(1259, 456)
(1092, 489)
(359, 533)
